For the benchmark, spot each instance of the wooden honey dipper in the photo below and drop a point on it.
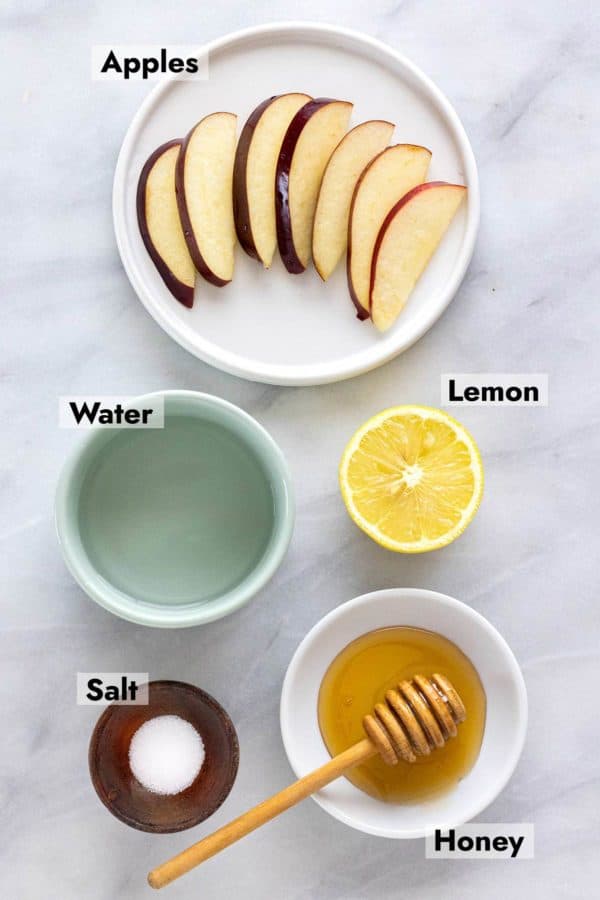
(418, 717)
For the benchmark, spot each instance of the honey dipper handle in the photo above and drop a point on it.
(259, 815)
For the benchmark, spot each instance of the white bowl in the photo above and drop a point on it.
(506, 718)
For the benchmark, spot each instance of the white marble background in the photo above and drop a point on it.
(524, 78)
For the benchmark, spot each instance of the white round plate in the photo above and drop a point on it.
(268, 325)
(506, 709)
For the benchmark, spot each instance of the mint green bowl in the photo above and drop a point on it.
(178, 526)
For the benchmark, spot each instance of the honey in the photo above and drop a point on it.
(358, 678)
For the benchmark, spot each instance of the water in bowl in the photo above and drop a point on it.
(176, 515)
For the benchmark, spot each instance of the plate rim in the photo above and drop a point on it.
(310, 373)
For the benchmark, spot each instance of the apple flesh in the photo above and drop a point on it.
(159, 223)
(389, 176)
(254, 174)
(309, 141)
(348, 160)
(203, 183)
(406, 242)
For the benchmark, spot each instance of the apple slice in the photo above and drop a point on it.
(312, 136)
(330, 229)
(388, 177)
(159, 224)
(408, 238)
(203, 182)
(254, 174)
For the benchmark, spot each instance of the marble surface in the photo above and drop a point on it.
(525, 80)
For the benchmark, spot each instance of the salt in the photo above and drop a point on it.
(166, 754)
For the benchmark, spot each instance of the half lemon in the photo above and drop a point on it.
(412, 478)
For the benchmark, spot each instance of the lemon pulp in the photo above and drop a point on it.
(412, 478)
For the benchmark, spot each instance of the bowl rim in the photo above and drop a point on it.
(513, 671)
(126, 606)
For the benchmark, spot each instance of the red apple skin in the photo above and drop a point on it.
(395, 208)
(241, 210)
(285, 240)
(182, 292)
(361, 312)
(197, 258)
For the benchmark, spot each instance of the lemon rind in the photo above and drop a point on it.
(422, 546)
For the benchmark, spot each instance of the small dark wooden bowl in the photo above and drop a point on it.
(118, 788)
